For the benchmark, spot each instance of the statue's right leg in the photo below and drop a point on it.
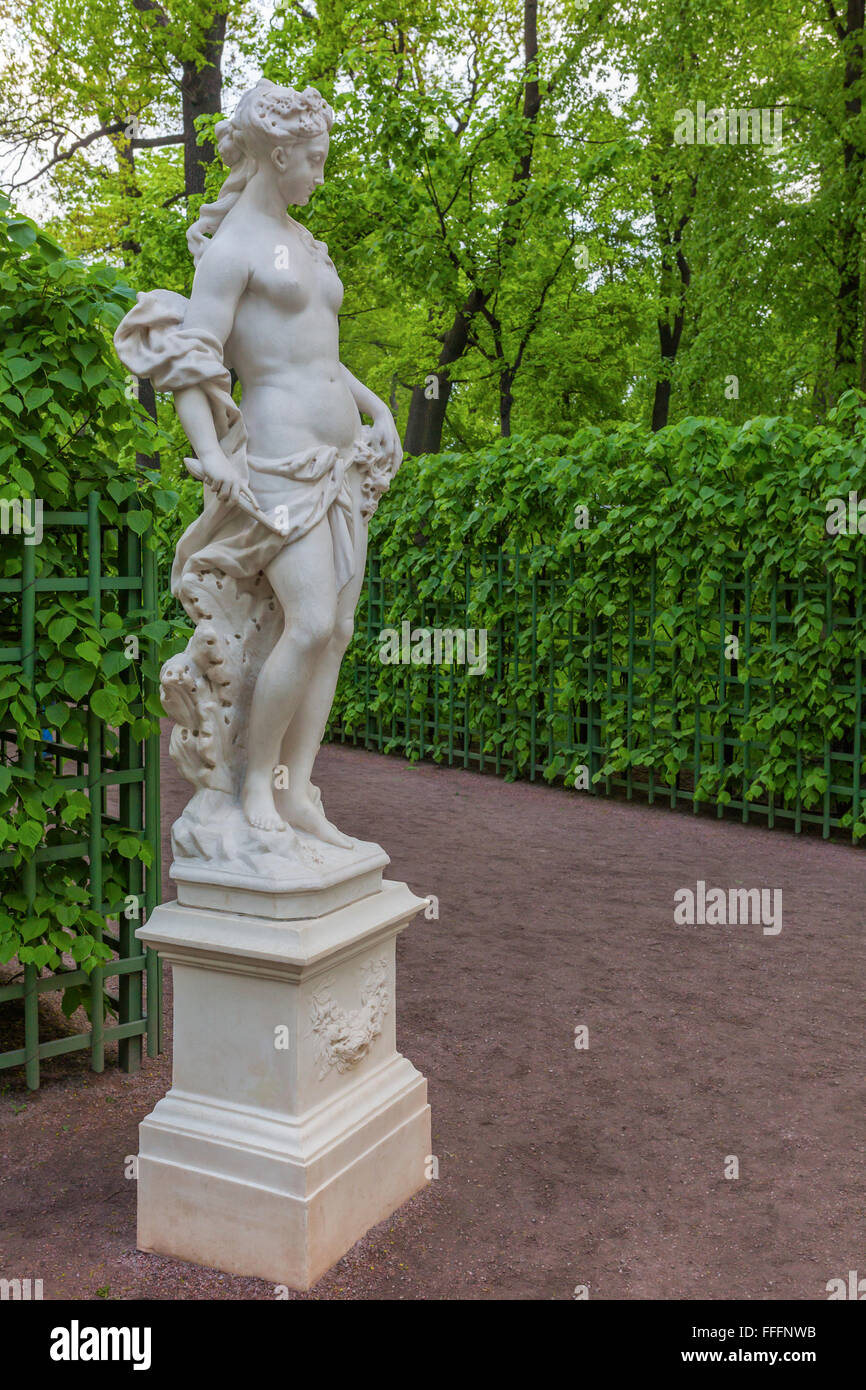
(302, 577)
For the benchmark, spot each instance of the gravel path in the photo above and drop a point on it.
(559, 1166)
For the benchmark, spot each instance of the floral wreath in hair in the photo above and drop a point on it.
(279, 112)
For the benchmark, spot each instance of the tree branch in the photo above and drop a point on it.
(60, 155)
(150, 142)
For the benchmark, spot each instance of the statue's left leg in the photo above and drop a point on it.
(300, 805)
(302, 578)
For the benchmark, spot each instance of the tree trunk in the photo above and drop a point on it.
(669, 342)
(674, 282)
(506, 401)
(531, 95)
(427, 412)
(126, 162)
(201, 93)
(850, 350)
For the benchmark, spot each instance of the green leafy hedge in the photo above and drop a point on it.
(69, 427)
(607, 643)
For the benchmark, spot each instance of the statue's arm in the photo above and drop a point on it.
(366, 400)
(220, 280)
(384, 433)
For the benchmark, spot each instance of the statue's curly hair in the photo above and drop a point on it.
(280, 115)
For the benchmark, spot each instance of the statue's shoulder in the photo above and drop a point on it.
(227, 259)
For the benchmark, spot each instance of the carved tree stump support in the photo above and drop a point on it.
(292, 1125)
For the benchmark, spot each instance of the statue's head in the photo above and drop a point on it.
(281, 127)
(274, 129)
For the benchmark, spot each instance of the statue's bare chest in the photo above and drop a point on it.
(295, 276)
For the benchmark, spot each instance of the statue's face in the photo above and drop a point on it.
(301, 168)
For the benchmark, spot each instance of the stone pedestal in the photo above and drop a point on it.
(292, 1125)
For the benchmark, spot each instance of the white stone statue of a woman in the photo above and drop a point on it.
(271, 571)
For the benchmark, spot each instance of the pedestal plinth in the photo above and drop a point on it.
(292, 1125)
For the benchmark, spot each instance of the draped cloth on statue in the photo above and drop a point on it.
(295, 493)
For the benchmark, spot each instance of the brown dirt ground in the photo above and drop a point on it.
(558, 1167)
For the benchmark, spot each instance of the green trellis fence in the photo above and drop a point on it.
(119, 775)
(661, 688)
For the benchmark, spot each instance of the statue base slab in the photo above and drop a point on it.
(299, 889)
(292, 1125)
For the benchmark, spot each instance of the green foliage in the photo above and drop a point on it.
(617, 230)
(69, 428)
(420, 207)
(701, 532)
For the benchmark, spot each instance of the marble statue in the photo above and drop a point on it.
(292, 1125)
(271, 571)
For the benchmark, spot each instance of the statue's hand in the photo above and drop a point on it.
(222, 476)
(385, 439)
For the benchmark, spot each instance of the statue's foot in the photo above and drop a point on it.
(259, 809)
(304, 813)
